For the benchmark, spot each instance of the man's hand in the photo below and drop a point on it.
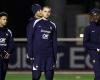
(7, 56)
(29, 60)
(98, 50)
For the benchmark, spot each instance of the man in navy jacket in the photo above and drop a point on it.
(91, 41)
(36, 9)
(43, 39)
(6, 45)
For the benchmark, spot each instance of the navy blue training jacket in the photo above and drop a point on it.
(42, 39)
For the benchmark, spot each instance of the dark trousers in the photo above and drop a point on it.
(96, 68)
(95, 59)
(3, 68)
(36, 74)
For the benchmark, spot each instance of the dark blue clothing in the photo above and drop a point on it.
(91, 43)
(43, 39)
(6, 44)
(92, 36)
(48, 75)
(29, 31)
(3, 68)
(6, 40)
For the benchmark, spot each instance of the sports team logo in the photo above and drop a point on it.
(2, 40)
(45, 36)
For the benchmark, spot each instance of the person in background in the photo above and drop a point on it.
(43, 46)
(91, 41)
(6, 45)
(36, 10)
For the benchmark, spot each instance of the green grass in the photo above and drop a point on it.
(57, 77)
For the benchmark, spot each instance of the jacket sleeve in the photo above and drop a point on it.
(11, 45)
(55, 42)
(30, 36)
(87, 42)
(30, 31)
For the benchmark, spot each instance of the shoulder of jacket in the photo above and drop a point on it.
(36, 21)
(9, 31)
(53, 24)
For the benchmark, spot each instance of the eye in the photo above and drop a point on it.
(5, 19)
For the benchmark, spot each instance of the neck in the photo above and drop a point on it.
(44, 18)
(37, 17)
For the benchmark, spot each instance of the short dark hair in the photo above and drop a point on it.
(3, 14)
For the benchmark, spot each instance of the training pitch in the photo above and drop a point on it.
(58, 76)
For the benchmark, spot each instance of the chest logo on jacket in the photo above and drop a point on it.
(6, 34)
(45, 31)
(93, 31)
(45, 34)
(2, 40)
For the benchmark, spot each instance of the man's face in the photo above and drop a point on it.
(46, 12)
(38, 14)
(3, 21)
(95, 17)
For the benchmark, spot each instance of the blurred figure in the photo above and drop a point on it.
(6, 45)
(36, 9)
(91, 41)
(43, 40)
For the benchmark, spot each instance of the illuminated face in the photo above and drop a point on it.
(38, 14)
(3, 21)
(46, 12)
(95, 17)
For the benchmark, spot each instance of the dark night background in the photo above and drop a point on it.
(70, 17)
(19, 12)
